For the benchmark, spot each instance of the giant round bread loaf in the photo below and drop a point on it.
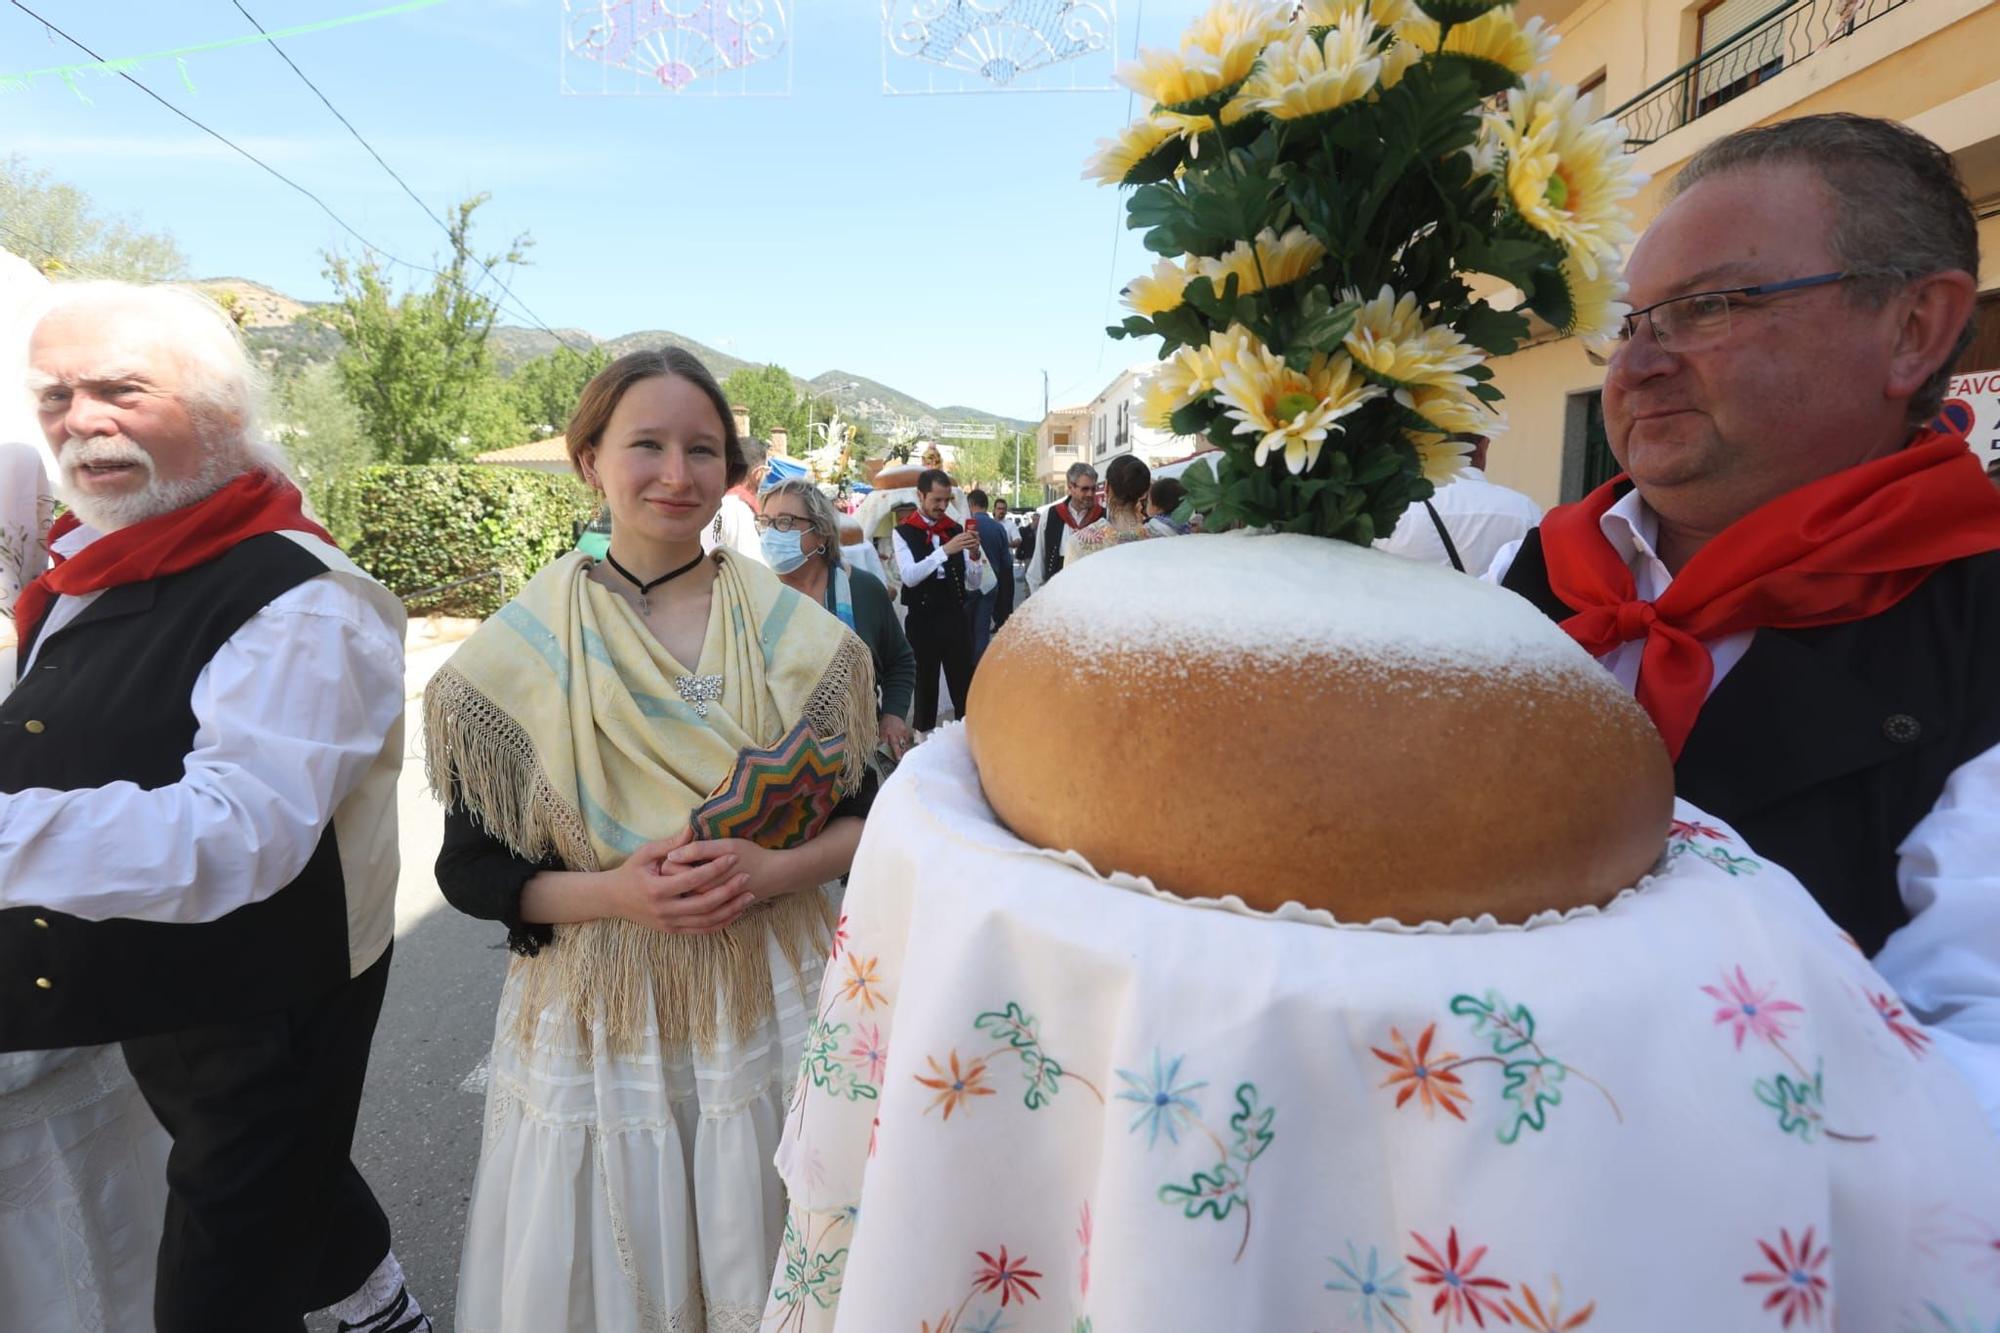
(1289, 718)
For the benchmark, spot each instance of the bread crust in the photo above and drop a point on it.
(1416, 792)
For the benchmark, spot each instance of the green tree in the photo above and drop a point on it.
(774, 400)
(320, 429)
(417, 366)
(55, 228)
(545, 390)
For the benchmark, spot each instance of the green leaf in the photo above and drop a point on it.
(1549, 296)
(1798, 1103)
(1323, 331)
(1455, 11)
(1508, 1029)
(1511, 259)
(1213, 1193)
(1490, 77)
(1495, 332)
(1251, 1125)
(1532, 1086)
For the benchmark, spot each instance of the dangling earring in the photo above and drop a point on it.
(716, 527)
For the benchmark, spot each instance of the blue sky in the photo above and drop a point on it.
(942, 245)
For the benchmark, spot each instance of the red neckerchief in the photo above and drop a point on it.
(1843, 548)
(944, 526)
(254, 503)
(1071, 521)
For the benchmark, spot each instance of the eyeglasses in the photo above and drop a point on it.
(784, 523)
(1698, 321)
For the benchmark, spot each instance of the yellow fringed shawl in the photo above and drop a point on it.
(559, 726)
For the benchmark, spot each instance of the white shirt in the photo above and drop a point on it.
(1945, 963)
(292, 712)
(865, 558)
(739, 530)
(1481, 516)
(915, 571)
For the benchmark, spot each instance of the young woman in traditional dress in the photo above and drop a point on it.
(1126, 481)
(655, 769)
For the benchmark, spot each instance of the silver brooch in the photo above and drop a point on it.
(698, 692)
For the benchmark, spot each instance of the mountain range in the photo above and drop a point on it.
(276, 328)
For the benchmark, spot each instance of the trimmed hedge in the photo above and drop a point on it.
(419, 527)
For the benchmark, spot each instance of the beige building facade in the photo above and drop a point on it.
(1679, 74)
(1102, 429)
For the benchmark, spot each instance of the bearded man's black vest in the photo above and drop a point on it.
(108, 699)
(1825, 747)
(943, 591)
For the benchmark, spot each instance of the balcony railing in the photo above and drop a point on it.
(1788, 34)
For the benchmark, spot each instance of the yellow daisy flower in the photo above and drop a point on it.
(1596, 300)
(1279, 260)
(1188, 374)
(1335, 13)
(1451, 411)
(1441, 457)
(1567, 176)
(1397, 61)
(1494, 37)
(1301, 77)
(1159, 291)
(1393, 346)
(1288, 410)
(1214, 56)
(1114, 159)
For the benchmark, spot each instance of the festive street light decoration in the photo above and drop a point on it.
(954, 46)
(720, 48)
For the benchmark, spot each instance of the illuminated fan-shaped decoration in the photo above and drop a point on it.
(997, 45)
(677, 46)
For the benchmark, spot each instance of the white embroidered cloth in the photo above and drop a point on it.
(1035, 1099)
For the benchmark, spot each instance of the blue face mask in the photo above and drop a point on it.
(781, 550)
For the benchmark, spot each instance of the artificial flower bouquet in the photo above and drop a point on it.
(1322, 177)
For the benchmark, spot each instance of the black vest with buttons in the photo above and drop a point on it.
(108, 699)
(1824, 747)
(943, 591)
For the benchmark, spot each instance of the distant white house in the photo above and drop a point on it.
(1100, 430)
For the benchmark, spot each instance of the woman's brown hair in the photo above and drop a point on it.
(600, 399)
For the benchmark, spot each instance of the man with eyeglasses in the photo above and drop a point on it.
(1801, 583)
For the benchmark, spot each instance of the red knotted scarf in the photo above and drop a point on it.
(1842, 548)
(1074, 523)
(252, 504)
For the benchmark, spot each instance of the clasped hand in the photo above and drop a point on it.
(683, 887)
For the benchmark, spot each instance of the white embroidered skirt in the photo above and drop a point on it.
(83, 1193)
(629, 1193)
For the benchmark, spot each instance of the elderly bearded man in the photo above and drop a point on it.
(197, 810)
(1800, 583)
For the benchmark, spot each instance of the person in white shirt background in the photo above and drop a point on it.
(197, 810)
(735, 523)
(1482, 517)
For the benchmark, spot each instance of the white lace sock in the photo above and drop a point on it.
(383, 1304)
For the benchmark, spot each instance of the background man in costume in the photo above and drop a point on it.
(1483, 517)
(931, 554)
(197, 810)
(1800, 583)
(1043, 549)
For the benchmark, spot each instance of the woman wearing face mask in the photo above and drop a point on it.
(802, 545)
(598, 743)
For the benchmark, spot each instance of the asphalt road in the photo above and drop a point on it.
(418, 1140)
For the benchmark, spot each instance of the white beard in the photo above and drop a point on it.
(108, 513)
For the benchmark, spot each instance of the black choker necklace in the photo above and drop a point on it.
(644, 607)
